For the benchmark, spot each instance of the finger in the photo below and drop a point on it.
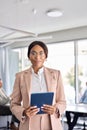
(32, 112)
(30, 108)
(48, 109)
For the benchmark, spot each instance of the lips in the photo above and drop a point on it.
(37, 62)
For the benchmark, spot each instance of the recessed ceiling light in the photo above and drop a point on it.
(34, 11)
(54, 13)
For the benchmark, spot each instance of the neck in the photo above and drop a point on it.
(36, 69)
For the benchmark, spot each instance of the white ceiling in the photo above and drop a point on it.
(17, 17)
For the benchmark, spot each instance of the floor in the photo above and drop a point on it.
(65, 127)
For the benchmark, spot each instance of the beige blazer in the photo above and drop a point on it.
(21, 97)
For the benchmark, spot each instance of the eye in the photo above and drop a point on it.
(33, 53)
(41, 53)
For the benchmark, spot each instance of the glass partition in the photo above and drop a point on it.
(82, 67)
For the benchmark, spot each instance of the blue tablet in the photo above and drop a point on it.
(38, 99)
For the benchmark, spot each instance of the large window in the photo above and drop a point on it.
(68, 57)
(61, 56)
(82, 67)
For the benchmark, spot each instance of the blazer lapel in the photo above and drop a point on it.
(28, 80)
(49, 78)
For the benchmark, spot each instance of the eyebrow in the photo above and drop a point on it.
(36, 52)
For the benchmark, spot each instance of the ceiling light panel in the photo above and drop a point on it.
(54, 13)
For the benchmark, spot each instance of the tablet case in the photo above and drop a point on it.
(38, 99)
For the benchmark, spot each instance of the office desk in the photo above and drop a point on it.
(79, 110)
(5, 111)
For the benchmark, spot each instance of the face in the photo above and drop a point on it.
(0, 83)
(37, 57)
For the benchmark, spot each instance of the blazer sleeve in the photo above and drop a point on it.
(60, 95)
(16, 98)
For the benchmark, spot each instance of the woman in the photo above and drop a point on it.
(38, 78)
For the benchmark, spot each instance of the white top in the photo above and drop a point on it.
(38, 83)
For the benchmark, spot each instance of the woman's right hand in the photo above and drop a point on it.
(31, 111)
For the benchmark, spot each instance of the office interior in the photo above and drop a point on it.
(65, 36)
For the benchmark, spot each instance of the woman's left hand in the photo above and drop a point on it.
(49, 109)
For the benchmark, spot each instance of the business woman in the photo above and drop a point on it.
(38, 78)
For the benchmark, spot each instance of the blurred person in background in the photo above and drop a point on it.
(4, 100)
(83, 99)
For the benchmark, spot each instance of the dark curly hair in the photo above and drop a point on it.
(41, 44)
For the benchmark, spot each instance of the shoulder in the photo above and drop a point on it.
(52, 70)
(23, 72)
(85, 93)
